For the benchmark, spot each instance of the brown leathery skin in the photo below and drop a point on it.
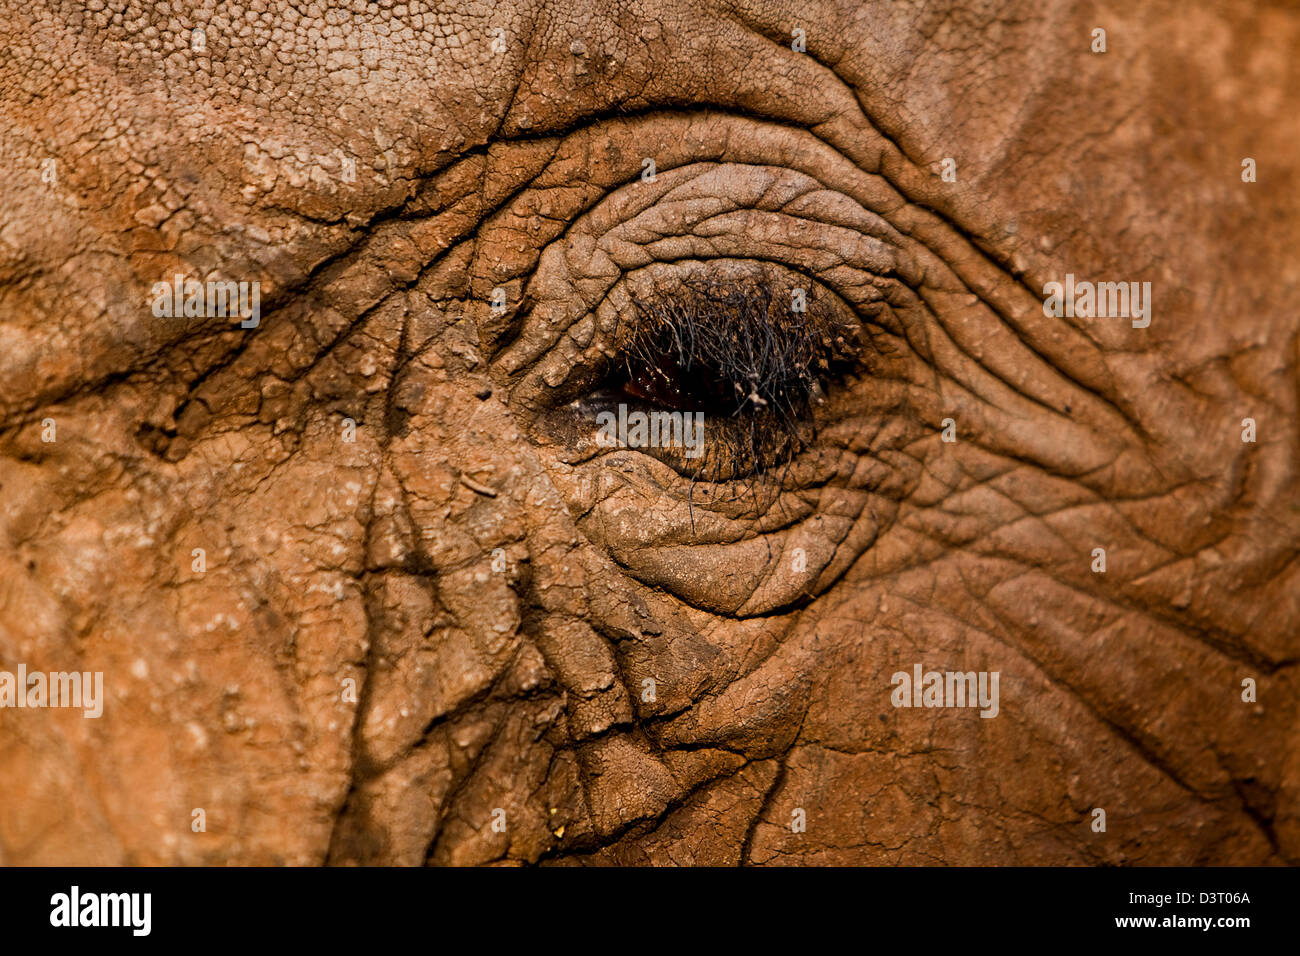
(499, 594)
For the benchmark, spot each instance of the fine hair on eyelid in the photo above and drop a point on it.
(746, 356)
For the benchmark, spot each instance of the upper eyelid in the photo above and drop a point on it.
(706, 191)
(601, 243)
(791, 191)
(580, 172)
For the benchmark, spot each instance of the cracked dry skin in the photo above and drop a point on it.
(500, 591)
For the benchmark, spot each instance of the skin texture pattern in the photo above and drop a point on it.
(352, 356)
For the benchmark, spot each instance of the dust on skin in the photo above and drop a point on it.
(434, 623)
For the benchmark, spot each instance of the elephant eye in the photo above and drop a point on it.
(726, 349)
(749, 360)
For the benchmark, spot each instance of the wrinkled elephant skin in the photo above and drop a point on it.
(365, 584)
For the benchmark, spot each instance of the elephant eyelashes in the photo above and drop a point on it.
(724, 349)
(748, 360)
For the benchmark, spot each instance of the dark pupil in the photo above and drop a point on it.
(658, 378)
(657, 375)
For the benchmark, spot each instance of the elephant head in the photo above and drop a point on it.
(684, 433)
